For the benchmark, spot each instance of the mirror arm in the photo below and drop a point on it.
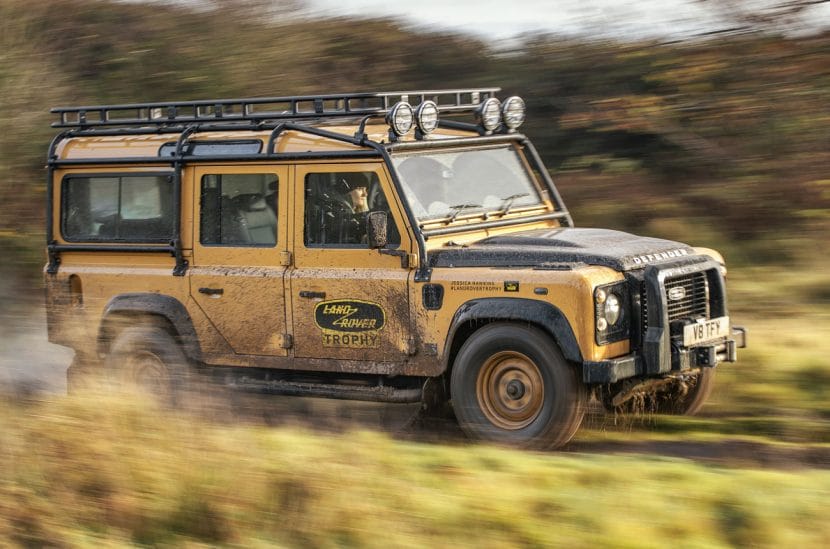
(398, 253)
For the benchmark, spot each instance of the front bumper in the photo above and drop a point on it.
(634, 364)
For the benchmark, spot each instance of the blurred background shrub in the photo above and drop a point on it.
(718, 140)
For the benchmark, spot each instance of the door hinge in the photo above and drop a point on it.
(285, 259)
(287, 341)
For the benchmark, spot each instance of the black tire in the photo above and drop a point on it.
(678, 399)
(148, 359)
(510, 384)
(675, 402)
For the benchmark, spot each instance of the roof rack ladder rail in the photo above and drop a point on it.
(144, 112)
(423, 273)
(275, 133)
(540, 167)
(456, 125)
(178, 160)
(360, 134)
(51, 156)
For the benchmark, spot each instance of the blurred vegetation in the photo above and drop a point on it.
(78, 472)
(719, 141)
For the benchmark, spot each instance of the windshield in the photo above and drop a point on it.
(446, 184)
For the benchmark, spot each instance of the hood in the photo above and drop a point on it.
(563, 248)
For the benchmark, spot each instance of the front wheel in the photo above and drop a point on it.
(511, 385)
(688, 399)
(679, 396)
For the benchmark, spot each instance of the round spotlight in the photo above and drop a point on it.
(400, 118)
(426, 116)
(489, 114)
(513, 112)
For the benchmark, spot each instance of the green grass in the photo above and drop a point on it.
(752, 469)
(78, 472)
(785, 371)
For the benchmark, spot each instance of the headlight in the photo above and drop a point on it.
(513, 112)
(489, 114)
(426, 116)
(400, 118)
(610, 313)
(612, 309)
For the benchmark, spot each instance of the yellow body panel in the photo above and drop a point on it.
(292, 305)
(249, 313)
(569, 291)
(338, 275)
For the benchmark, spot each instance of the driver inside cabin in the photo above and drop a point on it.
(355, 194)
(336, 208)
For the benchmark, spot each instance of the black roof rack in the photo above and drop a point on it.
(263, 109)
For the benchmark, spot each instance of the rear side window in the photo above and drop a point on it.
(118, 208)
(239, 209)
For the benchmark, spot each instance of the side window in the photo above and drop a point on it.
(207, 148)
(239, 210)
(336, 204)
(118, 208)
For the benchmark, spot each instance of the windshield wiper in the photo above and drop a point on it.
(458, 208)
(507, 202)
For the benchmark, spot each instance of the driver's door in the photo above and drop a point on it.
(348, 301)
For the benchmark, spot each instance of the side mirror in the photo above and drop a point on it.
(376, 229)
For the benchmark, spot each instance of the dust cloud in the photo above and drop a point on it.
(28, 362)
(30, 365)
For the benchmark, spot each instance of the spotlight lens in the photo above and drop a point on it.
(427, 116)
(401, 118)
(489, 114)
(513, 112)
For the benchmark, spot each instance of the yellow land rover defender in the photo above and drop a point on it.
(354, 246)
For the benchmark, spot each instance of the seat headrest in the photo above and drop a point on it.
(250, 202)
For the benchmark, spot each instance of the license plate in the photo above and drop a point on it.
(705, 330)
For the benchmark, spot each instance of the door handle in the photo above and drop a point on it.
(211, 291)
(312, 295)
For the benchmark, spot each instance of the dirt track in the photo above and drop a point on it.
(29, 364)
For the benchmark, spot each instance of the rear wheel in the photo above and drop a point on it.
(510, 384)
(83, 376)
(147, 359)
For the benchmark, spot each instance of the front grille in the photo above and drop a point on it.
(687, 296)
(695, 302)
(667, 298)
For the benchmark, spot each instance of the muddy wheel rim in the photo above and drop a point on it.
(146, 372)
(510, 390)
